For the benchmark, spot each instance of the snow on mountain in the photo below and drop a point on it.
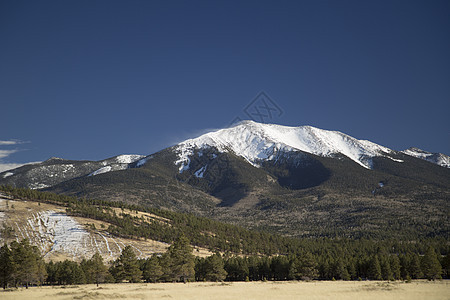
(436, 158)
(120, 162)
(56, 170)
(65, 234)
(255, 142)
(128, 158)
(101, 171)
(7, 174)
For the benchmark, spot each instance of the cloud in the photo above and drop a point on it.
(10, 143)
(4, 154)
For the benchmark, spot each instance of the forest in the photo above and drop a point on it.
(240, 254)
(22, 265)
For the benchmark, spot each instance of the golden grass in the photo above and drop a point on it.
(243, 290)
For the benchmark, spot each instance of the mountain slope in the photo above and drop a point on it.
(56, 170)
(435, 158)
(256, 142)
(299, 181)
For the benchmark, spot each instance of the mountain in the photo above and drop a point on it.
(56, 170)
(298, 181)
(435, 158)
(256, 142)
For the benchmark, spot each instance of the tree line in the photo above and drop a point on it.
(218, 236)
(21, 264)
(246, 254)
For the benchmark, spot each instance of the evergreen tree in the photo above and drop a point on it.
(51, 269)
(237, 268)
(352, 270)
(395, 267)
(253, 270)
(181, 260)
(69, 272)
(404, 266)
(415, 269)
(386, 272)
(431, 267)
(152, 269)
(446, 266)
(264, 268)
(325, 269)
(374, 270)
(214, 268)
(340, 271)
(97, 268)
(126, 267)
(6, 266)
(280, 267)
(28, 266)
(304, 267)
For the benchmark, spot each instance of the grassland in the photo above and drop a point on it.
(242, 290)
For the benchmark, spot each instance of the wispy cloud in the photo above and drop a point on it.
(11, 142)
(5, 153)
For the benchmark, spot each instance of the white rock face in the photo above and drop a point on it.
(255, 142)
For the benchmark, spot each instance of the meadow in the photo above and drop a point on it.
(242, 290)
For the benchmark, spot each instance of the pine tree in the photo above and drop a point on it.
(69, 272)
(304, 267)
(28, 265)
(97, 268)
(404, 266)
(214, 268)
(126, 267)
(152, 269)
(181, 260)
(237, 268)
(341, 271)
(446, 266)
(386, 272)
(6, 266)
(395, 267)
(280, 267)
(415, 269)
(374, 269)
(431, 267)
(352, 270)
(51, 269)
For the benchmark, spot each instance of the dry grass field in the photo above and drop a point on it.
(242, 290)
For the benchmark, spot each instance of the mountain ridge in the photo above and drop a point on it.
(257, 141)
(251, 175)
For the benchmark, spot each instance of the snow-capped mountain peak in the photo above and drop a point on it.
(436, 158)
(256, 141)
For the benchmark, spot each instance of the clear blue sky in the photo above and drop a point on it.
(93, 79)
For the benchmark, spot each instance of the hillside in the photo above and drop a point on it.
(60, 236)
(63, 226)
(297, 181)
(321, 196)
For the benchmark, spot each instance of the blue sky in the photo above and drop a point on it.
(94, 79)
